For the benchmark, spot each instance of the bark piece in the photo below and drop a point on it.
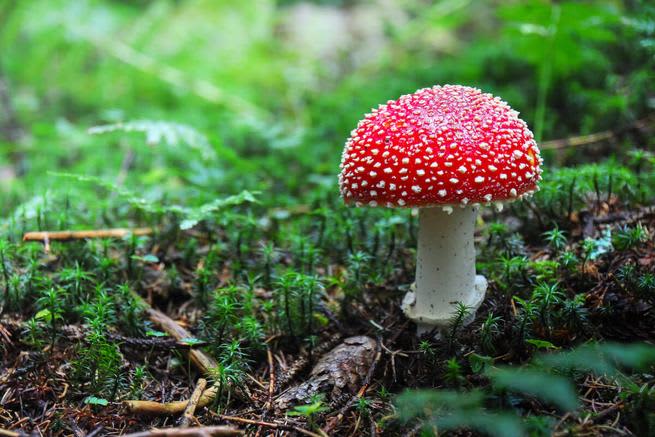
(338, 372)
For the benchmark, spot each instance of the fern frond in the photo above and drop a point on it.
(189, 216)
(160, 132)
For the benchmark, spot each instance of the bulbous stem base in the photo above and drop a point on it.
(445, 269)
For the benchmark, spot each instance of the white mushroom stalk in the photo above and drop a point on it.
(445, 268)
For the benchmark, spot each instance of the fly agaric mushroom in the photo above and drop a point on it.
(445, 150)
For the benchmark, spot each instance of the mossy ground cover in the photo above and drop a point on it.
(225, 145)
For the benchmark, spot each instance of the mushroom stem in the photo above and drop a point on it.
(445, 268)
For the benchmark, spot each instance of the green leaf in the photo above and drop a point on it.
(541, 344)
(92, 400)
(479, 363)
(602, 358)
(162, 132)
(635, 356)
(424, 403)
(307, 410)
(150, 258)
(494, 424)
(191, 341)
(194, 215)
(449, 410)
(550, 388)
(155, 333)
(189, 216)
(44, 314)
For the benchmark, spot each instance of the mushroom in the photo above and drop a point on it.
(445, 150)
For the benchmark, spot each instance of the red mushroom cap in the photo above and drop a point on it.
(444, 145)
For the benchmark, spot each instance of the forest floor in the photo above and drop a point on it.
(340, 383)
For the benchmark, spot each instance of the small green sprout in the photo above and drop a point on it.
(311, 410)
(556, 239)
(627, 238)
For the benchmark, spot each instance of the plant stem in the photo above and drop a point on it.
(5, 275)
(545, 72)
(286, 310)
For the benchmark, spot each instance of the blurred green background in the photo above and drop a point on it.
(260, 95)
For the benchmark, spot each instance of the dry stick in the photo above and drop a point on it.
(77, 431)
(96, 431)
(203, 431)
(271, 387)
(79, 235)
(577, 141)
(271, 378)
(271, 425)
(596, 137)
(187, 417)
(201, 360)
(169, 408)
(589, 420)
(629, 218)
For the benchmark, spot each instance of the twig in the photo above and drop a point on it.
(271, 378)
(96, 431)
(627, 218)
(169, 408)
(266, 424)
(598, 136)
(77, 431)
(589, 420)
(187, 417)
(6, 432)
(79, 235)
(202, 361)
(203, 431)
(577, 141)
(74, 333)
(157, 343)
(271, 387)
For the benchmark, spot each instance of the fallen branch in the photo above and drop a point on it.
(204, 431)
(270, 425)
(200, 359)
(190, 409)
(271, 378)
(598, 136)
(154, 343)
(169, 408)
(629, 217)
(80, 235)
(96, 431)
(577, 141)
